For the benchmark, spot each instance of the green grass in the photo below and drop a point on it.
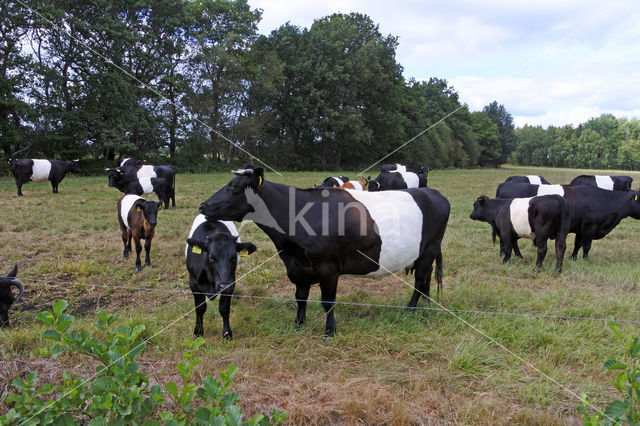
(384, 365)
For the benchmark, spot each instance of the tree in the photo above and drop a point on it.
(504, 121)
(488, 137)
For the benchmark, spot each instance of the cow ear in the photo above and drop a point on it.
(159, 204)
(245, 249)
(258, 177)
(13, 272)
(196, 243)
(482, 198)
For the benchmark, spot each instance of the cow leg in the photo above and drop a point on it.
(147, 250)
(586, 246)
(201, 307)
(507, 247)
(516, 249)
(422, 287)
(125, 238)
(302, 294)
(576, 246)
(54, 186)
(224, 307)
(541, 245)
(19, 186)
(136, 239)
(328, 290)
(561, 247)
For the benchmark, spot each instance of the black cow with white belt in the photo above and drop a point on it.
(611, 183)
(532, 179)
(321, 234)
(398, 176)
(32, 170)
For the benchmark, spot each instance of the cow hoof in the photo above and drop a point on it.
(298, 322)
(227, 335)
(138, 268)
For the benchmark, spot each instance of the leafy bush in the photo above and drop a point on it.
(627, 381)
(120, 393)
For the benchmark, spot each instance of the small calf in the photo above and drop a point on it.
(6, 296)
(537, 218)
(211, 254)
(138, 218)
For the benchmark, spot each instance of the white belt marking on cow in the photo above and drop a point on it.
(411, 179)
(124, 160)
(519, 213)
(146, 171)
(604, 182)
(200, 219)
(260, 213)
(41, 170)
(357, 186)
(534, 180)
(125, 205)
(340, 182)
(550, 190)
(399, 223)
(145, 183)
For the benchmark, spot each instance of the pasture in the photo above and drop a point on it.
(384, 365)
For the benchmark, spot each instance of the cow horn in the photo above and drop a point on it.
(242, 172)
(108, 169)
(17, 285)
(13, 272)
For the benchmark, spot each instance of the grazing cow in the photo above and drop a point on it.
(536, 218)
(138, 218)
(134, 169)
(144, 185)
(28, 170)
(321, 234)
(399, 178)
(212, 254)
(611, 183)
(532, 179)
(6, 296)
(594, 212)
(332, 182)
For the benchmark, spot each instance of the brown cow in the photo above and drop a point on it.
(138, 218)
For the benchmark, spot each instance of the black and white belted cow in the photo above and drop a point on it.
(212, 253)
(138, 219)
(130, 170)
(398, 176)
(536, 218)
(32, 170)
(532, 179)
(611, 183)
(139, 186)
(6, 295)
(322, 233)
(332, 182)
(594, 212)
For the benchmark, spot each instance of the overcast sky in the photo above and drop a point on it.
(548, 62)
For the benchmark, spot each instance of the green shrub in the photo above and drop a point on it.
(120, 393)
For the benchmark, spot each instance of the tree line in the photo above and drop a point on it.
(192, 83)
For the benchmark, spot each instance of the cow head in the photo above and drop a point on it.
(230, 202)
(480, 209)
(149, 211)
(222, 251)
(74, 166)
(386, 181)
(115, 176)
(6, 296)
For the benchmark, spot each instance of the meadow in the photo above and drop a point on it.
(384, 365)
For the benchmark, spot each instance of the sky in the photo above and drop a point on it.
(548, 62)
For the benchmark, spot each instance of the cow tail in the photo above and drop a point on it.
(173, 189)
(438, 273)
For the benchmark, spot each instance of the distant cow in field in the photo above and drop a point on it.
(532, 179)
(28, 170)
(594, 212)
(139, 186)
(611, 183)
(212, 252)
(134, 169)
(138, 218)
(321, 234)
(536, 218)
(332, 182)
(6, 295)
(397, 176)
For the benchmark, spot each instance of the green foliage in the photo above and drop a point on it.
(627, 382)
(120, 393)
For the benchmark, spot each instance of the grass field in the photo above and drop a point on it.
(384, 365)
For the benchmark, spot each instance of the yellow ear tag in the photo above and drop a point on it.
(259, 182)
(636, 198)
(243, 253)
(139, 209)
(196, 250)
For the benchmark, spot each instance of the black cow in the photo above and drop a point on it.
(6, 296)
(28, 170)
(536, 218)
(212, 254)
(611, 183)
(134, 169)
(533, 179)
(138, 219)
(321, 234)
(145, 185)
(397, 176)
(333, 181)
(594, 211)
